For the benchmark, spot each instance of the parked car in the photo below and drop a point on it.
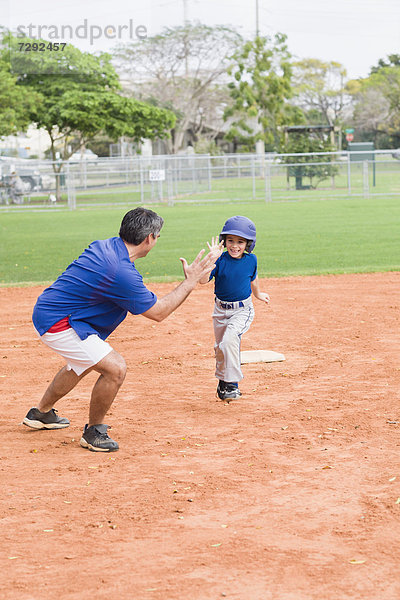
(87, 155)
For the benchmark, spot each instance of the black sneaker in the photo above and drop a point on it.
(45, 420)
(95, 438)
(228, 391)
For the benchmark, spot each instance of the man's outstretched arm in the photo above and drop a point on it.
(199, 268)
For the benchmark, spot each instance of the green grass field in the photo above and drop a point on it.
(293, 238)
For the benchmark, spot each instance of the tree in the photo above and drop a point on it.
(182, 69)
(320, 90)
(15, 102)
(371, 115)
(315, 168)
(78, 97)
(377, 105)
(259, 90)
(393, 60)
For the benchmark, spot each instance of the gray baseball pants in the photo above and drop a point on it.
(230, 321)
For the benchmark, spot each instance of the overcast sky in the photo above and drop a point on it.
(355, 33)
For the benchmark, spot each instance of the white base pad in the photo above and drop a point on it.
(255, 356)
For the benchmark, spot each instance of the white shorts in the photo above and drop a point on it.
(79, 354)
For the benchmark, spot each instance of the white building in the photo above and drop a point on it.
(25, 145)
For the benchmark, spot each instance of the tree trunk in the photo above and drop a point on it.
(178, 140)
(56, 168)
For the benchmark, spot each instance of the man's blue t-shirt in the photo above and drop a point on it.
(233, 276)
(96, 292)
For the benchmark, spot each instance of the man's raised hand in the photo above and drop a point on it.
(200, 267)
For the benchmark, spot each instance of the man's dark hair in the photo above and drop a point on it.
(138, 223)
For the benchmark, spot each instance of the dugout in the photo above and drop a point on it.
(363, 151)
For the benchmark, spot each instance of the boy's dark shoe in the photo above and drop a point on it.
(95, 438)
(228, 391)
(45, 420)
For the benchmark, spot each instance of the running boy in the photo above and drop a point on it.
(235, 275)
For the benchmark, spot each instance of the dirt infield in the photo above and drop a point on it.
(290, 493)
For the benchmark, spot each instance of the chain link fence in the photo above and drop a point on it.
(200, 178)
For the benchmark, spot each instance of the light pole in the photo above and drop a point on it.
(257, 20)
(185, 12)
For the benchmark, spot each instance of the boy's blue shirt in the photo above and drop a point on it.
(233, 276)
(96, 291)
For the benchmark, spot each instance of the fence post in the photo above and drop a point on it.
(253, 175)
(160, 190)
(268, 191)
(71, 192)
(174, 179)
(141, 181)
(209, 173)
(365, 179)
(192, 164)
(348, 174)
(169, 174)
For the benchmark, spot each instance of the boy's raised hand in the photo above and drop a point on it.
(216, 248)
